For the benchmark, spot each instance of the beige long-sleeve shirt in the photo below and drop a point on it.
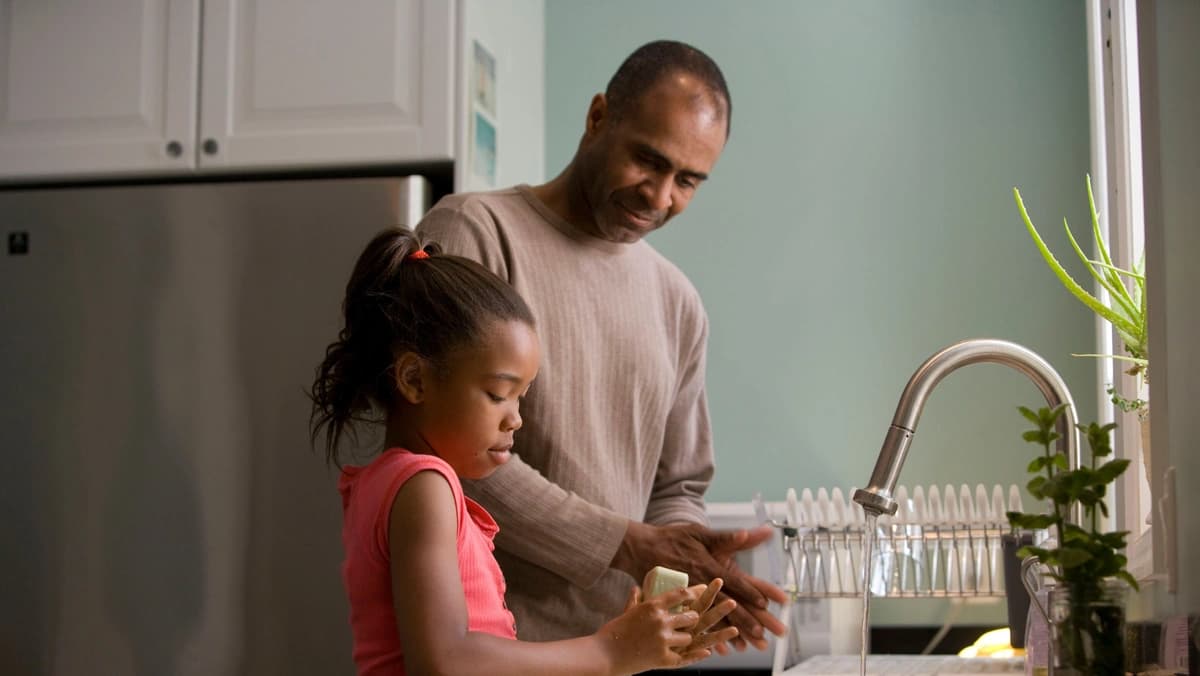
(616, 424)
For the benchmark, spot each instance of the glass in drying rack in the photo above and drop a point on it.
(942, 543)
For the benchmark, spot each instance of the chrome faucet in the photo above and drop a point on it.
(876, 498)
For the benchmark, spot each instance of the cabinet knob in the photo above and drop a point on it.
(174, 148)
(209, 146)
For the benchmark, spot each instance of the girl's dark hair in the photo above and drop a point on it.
(396, 304)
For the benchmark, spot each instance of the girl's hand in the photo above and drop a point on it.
(649, 636)
(702, 639)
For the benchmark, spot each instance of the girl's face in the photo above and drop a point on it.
(471, 407)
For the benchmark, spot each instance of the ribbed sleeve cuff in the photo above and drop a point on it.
(598, 545)
(676, 511)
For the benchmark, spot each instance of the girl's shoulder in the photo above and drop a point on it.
(402, 460)
(382, 478)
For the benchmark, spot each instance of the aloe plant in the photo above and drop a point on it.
(1126, 310)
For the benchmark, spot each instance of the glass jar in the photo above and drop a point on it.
(1087, 636)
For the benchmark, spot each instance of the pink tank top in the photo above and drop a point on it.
(367, 496)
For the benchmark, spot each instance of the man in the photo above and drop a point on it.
(610, 469)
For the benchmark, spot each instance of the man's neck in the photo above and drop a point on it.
(565, 197)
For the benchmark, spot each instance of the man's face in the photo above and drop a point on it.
(640, 170)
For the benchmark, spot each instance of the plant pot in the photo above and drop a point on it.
(1088, 629)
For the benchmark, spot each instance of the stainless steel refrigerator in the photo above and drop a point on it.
(161, 511)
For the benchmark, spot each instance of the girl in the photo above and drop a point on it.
(440, 350)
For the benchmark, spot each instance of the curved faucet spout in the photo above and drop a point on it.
(876, 498)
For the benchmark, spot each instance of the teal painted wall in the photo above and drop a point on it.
(861, 218)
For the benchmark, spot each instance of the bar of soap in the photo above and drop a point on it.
(661, 579)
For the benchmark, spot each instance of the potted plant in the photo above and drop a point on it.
(1125, 311)
(1086, 605)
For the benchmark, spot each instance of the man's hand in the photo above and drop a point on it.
(704, 554)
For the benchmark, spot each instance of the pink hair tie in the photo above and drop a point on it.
(417, 255)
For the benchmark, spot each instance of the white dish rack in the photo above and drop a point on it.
(942, 543)
(909, 665)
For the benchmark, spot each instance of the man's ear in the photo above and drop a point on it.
(597, 115)
(409, 373)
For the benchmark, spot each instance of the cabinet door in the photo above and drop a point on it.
(295, 83)
(97, 88)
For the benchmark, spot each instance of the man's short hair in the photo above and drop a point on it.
(654, 60)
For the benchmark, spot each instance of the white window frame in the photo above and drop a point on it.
(1115, 106)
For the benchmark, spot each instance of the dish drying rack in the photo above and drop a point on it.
(941, 543)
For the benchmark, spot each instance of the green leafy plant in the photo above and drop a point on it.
(1126, 310)
(1084, 559)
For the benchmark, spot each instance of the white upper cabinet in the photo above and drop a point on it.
(314, 82)
(151, 87)
(97, 87)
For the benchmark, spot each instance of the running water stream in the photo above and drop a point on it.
(868, 545)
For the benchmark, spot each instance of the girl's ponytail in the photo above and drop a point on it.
(350, 377)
